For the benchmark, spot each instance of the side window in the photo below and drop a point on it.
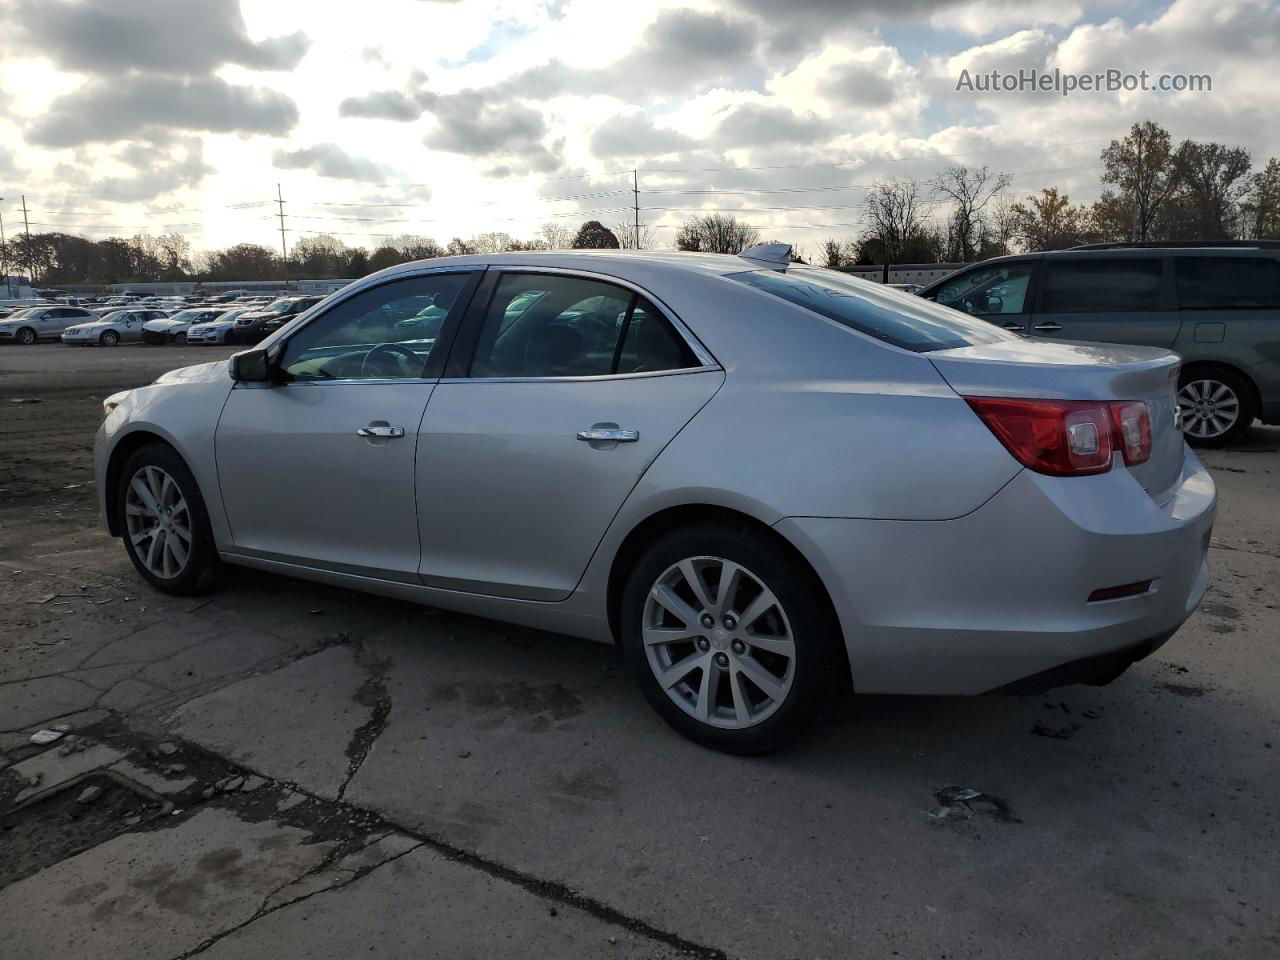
(386, 332)
(650, 344)
(1227, 283)
(989, 291)
(547, 325)
(1112, 285)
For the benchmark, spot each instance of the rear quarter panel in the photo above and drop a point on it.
(1246, 340)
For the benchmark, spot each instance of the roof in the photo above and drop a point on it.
(604, 260)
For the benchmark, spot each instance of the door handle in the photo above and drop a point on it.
(617, 436)
(1049, 327)
(380, 432)
(1012, 326)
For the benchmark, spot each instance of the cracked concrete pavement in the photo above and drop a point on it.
(291, 770)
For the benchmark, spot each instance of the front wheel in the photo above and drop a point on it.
(729, 638)
(26, 336)
(109, 339)
(165, 524)
(1217, 406)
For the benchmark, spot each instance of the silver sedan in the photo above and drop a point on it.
(764, 480)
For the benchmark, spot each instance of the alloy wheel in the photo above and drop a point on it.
(1209, 408)
(27, 337)
(158, 521)
(110, 338)
(718, 642)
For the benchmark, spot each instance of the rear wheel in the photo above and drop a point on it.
(1217, 406)
(109, 338)
(729, 639)
(165, 524)
(26, 336)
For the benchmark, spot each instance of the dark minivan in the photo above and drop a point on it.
(1217, 304)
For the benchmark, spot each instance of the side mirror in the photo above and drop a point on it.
(250, 366)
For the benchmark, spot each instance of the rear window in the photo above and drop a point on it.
(1110, 285)
(901, 319)
(1228, 283)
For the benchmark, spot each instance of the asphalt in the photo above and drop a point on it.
(426, 784)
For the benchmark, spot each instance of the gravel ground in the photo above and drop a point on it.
(286, 769)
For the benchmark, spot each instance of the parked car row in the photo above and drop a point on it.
(162, 321)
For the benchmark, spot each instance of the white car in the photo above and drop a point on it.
(174, 328)
(40, 323)
(219, 331)
(118, 326)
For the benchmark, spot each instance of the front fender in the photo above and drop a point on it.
(182, 410)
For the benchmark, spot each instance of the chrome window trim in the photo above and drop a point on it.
(691, 340)
(683, 371)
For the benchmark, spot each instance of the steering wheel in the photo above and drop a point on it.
(405, 359)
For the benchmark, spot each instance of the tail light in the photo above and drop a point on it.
(1133, 431)
(1067, 438)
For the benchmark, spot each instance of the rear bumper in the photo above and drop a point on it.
(1000, 596)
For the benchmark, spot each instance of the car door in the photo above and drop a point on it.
(49, 324)
(1118, 298)
(317, 466)
(999, 291)
(562, 390)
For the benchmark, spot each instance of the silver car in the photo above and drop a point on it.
(116, 327)
(34, 324)
(763, 480)
(219, 331)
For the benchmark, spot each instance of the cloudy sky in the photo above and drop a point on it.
(441, 118)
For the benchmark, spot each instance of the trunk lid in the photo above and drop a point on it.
(1056, 370)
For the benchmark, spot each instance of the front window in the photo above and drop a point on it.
(991, 290)
(901, 319)
(375, 335)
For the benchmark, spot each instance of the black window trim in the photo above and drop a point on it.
(458, 369)
(436, 360)
(1236, 255)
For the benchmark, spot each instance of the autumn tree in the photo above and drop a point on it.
(1141, 167)
(593, 235)
(1048, 221)
(1261, 207)
(1213, 179)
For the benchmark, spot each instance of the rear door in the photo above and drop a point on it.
(1119, 298)
(1000, 292)
(571, 386)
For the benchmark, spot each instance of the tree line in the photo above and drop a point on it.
(1152, 189)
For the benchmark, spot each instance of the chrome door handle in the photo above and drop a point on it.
(1012, 326)
(1049, 327)
(380, 432)
(618, 436)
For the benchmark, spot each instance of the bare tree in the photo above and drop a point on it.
(716, 233)
(556, 236)
(414, 247)
(896, 211)
(627, 239)
(834, 253)
(968, 191)
(493, 242)
(1141, 166)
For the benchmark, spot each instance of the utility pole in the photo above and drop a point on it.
(284, 249)
(4, 257)
(26, 228)
(635, 189)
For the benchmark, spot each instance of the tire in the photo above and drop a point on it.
(1208, 397)
(26, 336)
(109, 338)
(735, 714)
(201, 570)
